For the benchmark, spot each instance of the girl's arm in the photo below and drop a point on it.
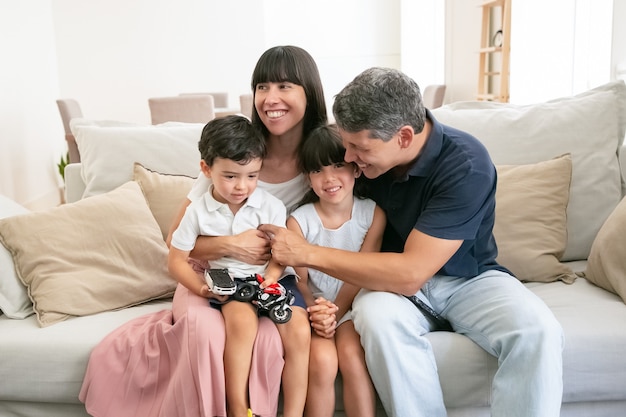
(322, 313)
(371, 243)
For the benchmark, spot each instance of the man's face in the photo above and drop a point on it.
(373, 156)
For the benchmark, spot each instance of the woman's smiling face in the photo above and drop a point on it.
(281, 106)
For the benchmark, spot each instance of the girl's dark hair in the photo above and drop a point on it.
(295, 65)
(321, 148)
(231, 137)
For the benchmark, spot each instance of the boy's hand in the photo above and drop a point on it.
(206, 293)
(267, 281)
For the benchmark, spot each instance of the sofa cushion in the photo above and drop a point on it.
(531, 219)
(101, 253)
(14, 301)
(590, 126)
(164, 193)
(593, 359)
(48, 364)
(108, 151)
(607, 262)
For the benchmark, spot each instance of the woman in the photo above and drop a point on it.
(189, 380)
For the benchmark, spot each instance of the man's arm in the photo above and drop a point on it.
(403, 273)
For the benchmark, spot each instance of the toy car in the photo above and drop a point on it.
(275, 300)
(219, 281)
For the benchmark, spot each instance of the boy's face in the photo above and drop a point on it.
(232, 182)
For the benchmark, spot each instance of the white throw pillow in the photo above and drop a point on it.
(14, 301)
(589, 126)
(109, 150)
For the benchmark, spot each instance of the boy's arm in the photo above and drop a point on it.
(182, 272)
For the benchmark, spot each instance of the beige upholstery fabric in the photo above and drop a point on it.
(606, 266)
(246, 101)
(70, 109)
(433, 95)
(165, 194)
(189, 108)
(531, 219)
(98, 254)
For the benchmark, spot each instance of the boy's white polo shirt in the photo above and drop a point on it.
(208, 217)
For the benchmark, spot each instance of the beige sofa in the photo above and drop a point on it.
(558, 214)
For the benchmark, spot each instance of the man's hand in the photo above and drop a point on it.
(288, 248)
(323, 318)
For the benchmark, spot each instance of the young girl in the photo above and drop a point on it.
(333, 215)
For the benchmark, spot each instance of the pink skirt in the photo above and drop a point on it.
(170, 363)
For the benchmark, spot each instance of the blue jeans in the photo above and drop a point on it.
(494, 310)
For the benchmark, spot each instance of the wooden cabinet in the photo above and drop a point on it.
(495, 51)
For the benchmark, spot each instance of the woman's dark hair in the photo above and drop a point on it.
(231, 137)
(323, 147)
(295, 65)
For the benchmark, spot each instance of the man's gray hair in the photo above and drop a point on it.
(380, 100)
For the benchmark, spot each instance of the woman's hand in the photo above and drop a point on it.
(251, 247)
(323, 318)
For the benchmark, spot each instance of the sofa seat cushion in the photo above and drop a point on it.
(593, 357)
(55, 356)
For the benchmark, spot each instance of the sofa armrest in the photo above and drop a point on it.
(74, 184)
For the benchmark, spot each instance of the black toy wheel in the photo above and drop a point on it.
(279, 314)
(245, 292)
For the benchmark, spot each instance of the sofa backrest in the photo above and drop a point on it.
(590, 126)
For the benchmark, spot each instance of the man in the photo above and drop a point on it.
(437, 186)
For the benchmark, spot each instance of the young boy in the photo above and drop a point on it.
(232, 152)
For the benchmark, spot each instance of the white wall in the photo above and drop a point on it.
(31, 133)
(112, 56)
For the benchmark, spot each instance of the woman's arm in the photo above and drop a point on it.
(251, 247)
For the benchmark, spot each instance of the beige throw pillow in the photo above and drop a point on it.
(606, 266)
(102, 253)
(531, 220)
(165, 194)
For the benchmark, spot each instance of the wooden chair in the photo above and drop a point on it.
(189, 108)
(433, 96)
(246, 101)
(70, 109)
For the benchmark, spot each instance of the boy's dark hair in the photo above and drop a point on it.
(321, 148)
(231, 137)
(295, 65)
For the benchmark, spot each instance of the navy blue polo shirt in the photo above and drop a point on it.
(449, 193)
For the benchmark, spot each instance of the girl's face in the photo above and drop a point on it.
(232, 182)
(281, 106)
(334, 183)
